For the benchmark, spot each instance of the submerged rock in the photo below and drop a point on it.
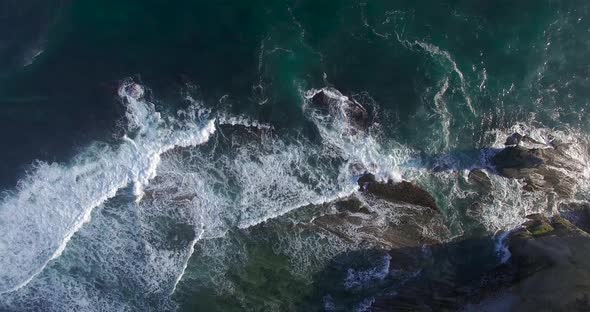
(332, 101)
(404, 192)
(547, 168)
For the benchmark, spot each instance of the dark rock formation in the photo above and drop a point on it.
(365, 223)
(381, 217)
(332, 101)
(548, 168)
(513, 139)
(517, 139)
(405, 192)
(548, 271)
(577, 213)
(553, 274)
(480, 178)
(518, 158)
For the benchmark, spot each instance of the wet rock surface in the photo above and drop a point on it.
(548, 271)
(578, 213)
(380, 215)
(543, 167)
(517, 139)
(553, 272)
(480, 178)
(404, 191)
(332, 101)
(345, 233)
(399, 255)
(373, 224)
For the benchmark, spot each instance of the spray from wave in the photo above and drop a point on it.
(55, 201)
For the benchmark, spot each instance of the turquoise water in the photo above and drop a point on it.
(442, 79)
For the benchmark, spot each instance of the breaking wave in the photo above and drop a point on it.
(173, 183)
(54, 201)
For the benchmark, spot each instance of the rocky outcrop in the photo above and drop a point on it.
(332, 101)
(368, 223)
(480, 178)
(383, 215)
(543, 167)
(517, 139)
(577, 212)
(548, 271)
(386, 215)
(553, 273)
(401, 192)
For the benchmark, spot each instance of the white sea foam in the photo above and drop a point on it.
(434, 50)
(54, 201)
(32, 55)
(365, 305)
(363, 278)
(242, 121)
(360, 149)
(443, 111)
(272, 176)
(437, 51)
(254, 179)
(189, 254)
(501, 246)
(275, 177)
(234, 182)
(511, 204)
(126, 248)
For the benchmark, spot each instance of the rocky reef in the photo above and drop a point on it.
(542, 167)
(401, 192)
(331, 101)
(550, 259)
(546, 269)
(389, 246)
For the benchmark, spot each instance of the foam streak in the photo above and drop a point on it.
(55, 201)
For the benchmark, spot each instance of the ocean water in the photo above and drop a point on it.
(157, 155)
